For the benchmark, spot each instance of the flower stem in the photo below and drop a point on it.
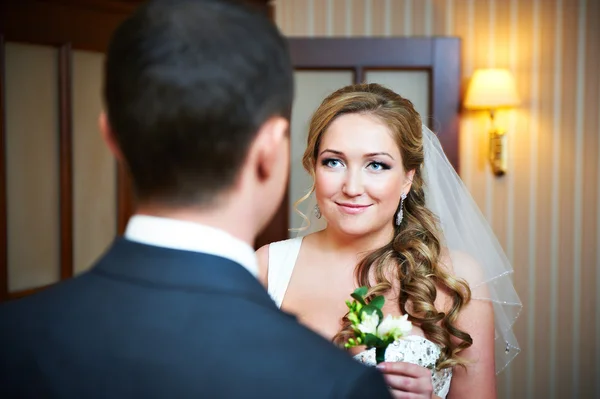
(380, 355)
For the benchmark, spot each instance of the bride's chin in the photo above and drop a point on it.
(359, 229)
(352, 229)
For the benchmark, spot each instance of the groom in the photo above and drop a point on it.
(198, 97)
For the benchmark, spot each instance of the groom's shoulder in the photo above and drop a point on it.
(39, 309)
(311, 357)
(334, 372)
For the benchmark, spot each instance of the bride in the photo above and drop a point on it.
(392, 214)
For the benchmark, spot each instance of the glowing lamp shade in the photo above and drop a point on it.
(491, 89)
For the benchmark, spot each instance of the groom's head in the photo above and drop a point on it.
(198, 97)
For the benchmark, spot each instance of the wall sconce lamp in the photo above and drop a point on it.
(491, 89)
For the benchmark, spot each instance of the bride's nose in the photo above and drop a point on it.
(353, 183)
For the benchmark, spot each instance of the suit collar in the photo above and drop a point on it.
(171, 269)
(190, 236)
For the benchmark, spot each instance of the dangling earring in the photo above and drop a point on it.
(400, 213)
(317, 212)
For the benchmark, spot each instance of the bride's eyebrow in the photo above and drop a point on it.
(331, 151)
(374, 154)
(369, 155)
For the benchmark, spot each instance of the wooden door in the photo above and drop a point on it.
(62, 196)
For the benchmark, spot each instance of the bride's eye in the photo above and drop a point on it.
(332, 163)
(378, 166)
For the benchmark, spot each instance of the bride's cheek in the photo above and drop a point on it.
(385, 191)
(327, 184)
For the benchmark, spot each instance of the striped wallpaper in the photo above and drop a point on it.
(546, 210)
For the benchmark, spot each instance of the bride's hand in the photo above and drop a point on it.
(407, 380)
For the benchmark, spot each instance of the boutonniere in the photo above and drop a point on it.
(369, 326)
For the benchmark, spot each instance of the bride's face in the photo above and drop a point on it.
(359, 176)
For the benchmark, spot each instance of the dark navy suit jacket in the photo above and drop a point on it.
(150, 322)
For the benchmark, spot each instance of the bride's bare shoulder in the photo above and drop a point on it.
(262, 255)
(460, 266)
(458, 263)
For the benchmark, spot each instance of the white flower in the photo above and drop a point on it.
(369, 323)
(394, 326)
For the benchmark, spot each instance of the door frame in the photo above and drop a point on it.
(66, 25)
(440, 56)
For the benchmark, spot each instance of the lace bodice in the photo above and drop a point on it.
(413, 349)
(417, 350)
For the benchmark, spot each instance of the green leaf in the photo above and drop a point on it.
(372, 341)
(358, 298)
(378, 301)
(361, 291)
(368, 309)
(380, 314)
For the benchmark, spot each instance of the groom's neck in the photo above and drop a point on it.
(224, 217)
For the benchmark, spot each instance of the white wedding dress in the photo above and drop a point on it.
(412, 349)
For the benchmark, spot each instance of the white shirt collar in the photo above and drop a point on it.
(190, 236)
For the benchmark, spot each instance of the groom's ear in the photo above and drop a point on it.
(271, 147)
(108, 136)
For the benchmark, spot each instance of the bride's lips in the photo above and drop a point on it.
(352, 209)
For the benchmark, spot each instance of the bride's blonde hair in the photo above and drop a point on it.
(416, 247)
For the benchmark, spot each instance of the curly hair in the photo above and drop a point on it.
(416, 249)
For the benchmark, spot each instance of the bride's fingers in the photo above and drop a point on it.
(408, 384)
(404, 395)
(402, 368)
(407, 380)
(400, 383)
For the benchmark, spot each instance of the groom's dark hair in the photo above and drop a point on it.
(187, 85)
